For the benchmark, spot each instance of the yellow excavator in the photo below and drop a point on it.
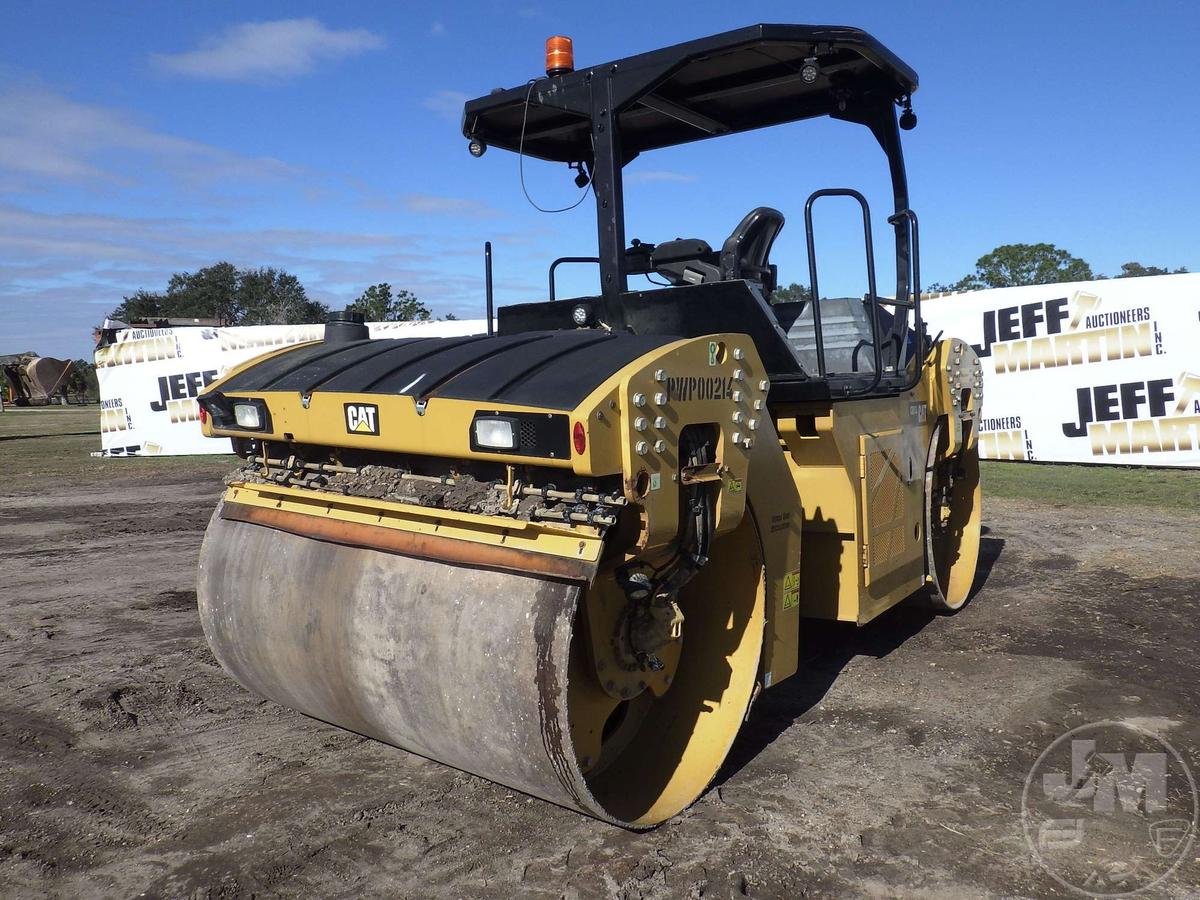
(568, 553)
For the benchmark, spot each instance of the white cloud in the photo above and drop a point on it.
(60, 273)
(431, 204)
(656, 175)
(447, 104)
(90, 239)
(46, 136)
(268, 51)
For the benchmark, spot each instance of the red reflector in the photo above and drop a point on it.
(203, 414)
(580, 438)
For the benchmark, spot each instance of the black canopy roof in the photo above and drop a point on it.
(736, 81)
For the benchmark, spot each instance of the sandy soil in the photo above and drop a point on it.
(893, 763)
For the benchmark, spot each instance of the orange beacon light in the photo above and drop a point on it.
(560, 55)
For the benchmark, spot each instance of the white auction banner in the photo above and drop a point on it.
(1085, 372)
(149, 378)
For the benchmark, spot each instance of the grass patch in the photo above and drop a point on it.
(1113, 486)
(40, 444)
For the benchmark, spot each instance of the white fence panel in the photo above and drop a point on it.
(1086, 372)
(149, 378)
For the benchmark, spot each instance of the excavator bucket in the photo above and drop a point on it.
(32, 377)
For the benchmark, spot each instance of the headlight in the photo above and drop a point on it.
(496, 433)
(537, 434)
(247, 416)
(235, 413)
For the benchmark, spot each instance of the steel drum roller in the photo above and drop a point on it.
(481, 670)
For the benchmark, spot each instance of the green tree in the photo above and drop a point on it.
(967, 283)
(271, 296)
(1012, 265)
(1137, 270)
(231, 296)
(378, 304)
(81, 381)
(208, 293)
(791, 293)
(140, 305)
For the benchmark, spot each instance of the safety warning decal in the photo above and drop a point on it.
(791, 589)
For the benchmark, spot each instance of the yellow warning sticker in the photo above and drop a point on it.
(736, 485)
(791, 589)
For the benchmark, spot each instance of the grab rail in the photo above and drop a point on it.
(594, 260)
(872, 296)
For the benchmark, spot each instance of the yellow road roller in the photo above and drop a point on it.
(568, 553)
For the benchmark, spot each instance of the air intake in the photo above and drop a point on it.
(344, 327)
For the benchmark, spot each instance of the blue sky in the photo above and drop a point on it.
(145, 138)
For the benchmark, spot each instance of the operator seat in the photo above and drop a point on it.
(745, 252)
(743, 255)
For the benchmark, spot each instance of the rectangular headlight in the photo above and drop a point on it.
(247, 416)
(496, 434)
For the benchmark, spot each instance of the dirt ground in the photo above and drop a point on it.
(892, 764)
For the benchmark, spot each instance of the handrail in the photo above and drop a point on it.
(595, 260)
(872, 297)
(914, 256)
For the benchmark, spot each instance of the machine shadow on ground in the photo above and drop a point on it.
(35, 437)
(990, 549)
(826, 648)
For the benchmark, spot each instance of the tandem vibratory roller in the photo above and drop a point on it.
(565, 556)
